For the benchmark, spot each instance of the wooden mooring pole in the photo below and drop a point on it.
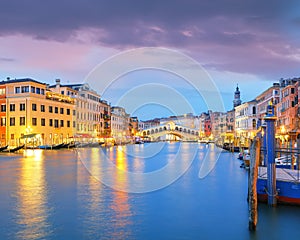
(271, 169)
(252, 182)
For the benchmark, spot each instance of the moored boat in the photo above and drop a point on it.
(3, 148)
(11, 150)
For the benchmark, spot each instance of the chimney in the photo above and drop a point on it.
(57, 82)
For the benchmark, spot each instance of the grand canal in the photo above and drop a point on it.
(58, 195)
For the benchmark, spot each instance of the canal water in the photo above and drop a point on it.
(70, 194)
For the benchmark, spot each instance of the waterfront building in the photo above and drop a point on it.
(287, 112)
(272, 94)
(91, 116)
(3, 115)
(207, 127)
(218, 124)
(143, 125)
(230, 126)
(245, 123)
(133, 126)
(35, 115)
(120, 124)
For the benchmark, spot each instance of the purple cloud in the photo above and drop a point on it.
(249, 36)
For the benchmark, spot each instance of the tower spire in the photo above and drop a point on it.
(237, 97)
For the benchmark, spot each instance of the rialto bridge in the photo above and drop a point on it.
(171, 131)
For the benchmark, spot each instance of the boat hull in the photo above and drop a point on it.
(288, 192)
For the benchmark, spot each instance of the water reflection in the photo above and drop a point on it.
(32, 197)
(120, 204)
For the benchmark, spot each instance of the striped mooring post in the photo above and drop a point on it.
(270, 150)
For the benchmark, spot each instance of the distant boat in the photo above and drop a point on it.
(13, 149)
(51, 147)
(3, 148)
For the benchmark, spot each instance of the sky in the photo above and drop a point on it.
(251, 43)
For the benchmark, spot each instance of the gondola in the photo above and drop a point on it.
(11, 150)
(3, 148)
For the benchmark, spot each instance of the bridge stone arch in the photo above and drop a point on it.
(170, 128)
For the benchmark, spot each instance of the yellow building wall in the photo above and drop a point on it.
(45, 134)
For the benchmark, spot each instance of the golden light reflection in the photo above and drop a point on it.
(120, 203)
(32, 197)
(121, 161)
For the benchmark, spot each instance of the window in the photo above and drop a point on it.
(33, 122)
(50, 109)
(3, 121)
(253, 123)
(3, 108)
(12, 121)
(56, 123)
(43, 91)
(74, 112)
(74, 124)
(51, 122)
(24, 89)
(33, 89)
(22, 106)
(61, 123)
(68, 111)
(17, 90)
(12, 136)
(62, 92)
(38, 90)
(292, 90)
(68, 124)
(61, 111)
(2, 91)
(56, 110)
(43, 122)
(42, 108)
(12, 107)
(33, 107)
(22, 121)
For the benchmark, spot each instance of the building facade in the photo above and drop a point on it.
(245, 123)
(34, 115)
(120, 121)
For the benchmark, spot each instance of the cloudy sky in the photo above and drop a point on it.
(250, 42)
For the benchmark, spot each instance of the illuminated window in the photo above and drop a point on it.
(2, 91)
(3, 121)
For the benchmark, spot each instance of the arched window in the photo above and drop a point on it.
(254, 110)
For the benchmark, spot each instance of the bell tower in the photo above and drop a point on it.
(237, 97)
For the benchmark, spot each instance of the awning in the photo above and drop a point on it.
(31, 135)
